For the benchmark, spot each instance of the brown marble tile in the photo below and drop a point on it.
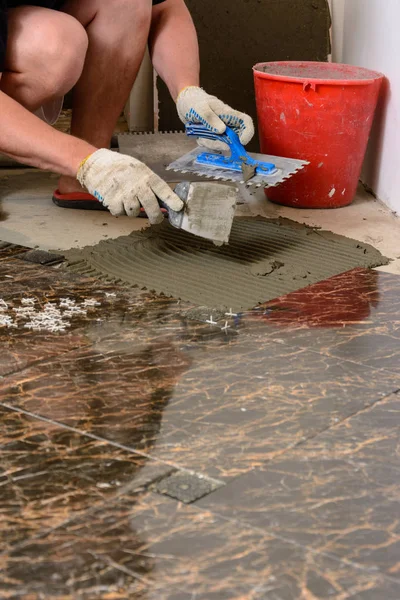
(354, 316)
(220, 407)
(49, 474)
(339, 493)
(135, 371)
(34, 322)
(20, 349)
(148, 547)
(8, 251)
(18, 276)
(118, 395)
(69, 312)
(369, 437)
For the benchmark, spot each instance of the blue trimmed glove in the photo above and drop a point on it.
(123, 184)
(194, 105)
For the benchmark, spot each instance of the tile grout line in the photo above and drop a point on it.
(371, 570)
(125, 489)
(173, 465)
(263, 532)
(260, 530)
(382, 370)
(344, 420)
(293, 448)
(345, 360)
(110, 442)
(177, 467)
(78, 515)
(51, 357)
(36, 363)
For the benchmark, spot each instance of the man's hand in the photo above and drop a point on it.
(196, 106)
(124, 184)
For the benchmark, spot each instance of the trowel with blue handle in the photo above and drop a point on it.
(236, 164)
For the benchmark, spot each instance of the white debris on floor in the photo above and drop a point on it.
(54, 317)
(89, 303)
(5, 319)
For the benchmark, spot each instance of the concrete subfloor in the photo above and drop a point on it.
(29, 218)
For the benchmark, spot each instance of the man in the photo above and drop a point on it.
(50, 46)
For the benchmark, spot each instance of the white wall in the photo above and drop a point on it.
(366, 33)
(337, 11)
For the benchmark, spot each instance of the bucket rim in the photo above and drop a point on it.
(374, 75)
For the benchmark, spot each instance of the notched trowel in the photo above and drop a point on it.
(239, 166)
(208, 212)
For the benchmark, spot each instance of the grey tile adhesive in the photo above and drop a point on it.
(264, 259)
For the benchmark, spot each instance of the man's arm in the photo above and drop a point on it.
(173, 46)
(122, 183)
(27, 139)
(175, 54)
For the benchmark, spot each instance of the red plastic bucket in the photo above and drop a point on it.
(320, 112)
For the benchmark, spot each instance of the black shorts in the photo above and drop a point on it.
(54, 4)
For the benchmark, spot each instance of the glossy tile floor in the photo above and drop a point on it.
(146, 455)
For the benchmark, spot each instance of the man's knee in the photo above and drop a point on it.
(46, 50)
(62, 57)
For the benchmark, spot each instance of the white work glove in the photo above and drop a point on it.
(123, 184)
(194, 105)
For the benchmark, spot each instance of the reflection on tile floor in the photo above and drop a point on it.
(147, 547)
(354, 316)
(347, 506)
(369, 437)
(84, 309)
(219, 412)
(47, 474)
(290, 413)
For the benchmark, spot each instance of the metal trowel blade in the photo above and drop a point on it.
(285, 168)
(209, 210)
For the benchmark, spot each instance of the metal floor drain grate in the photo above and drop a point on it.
(185, 487)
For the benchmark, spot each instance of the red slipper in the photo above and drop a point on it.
(80, 200)
(84, 201)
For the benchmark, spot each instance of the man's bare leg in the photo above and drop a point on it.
(41, 62)
(118, 32)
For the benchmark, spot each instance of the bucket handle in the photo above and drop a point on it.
(309, 85)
